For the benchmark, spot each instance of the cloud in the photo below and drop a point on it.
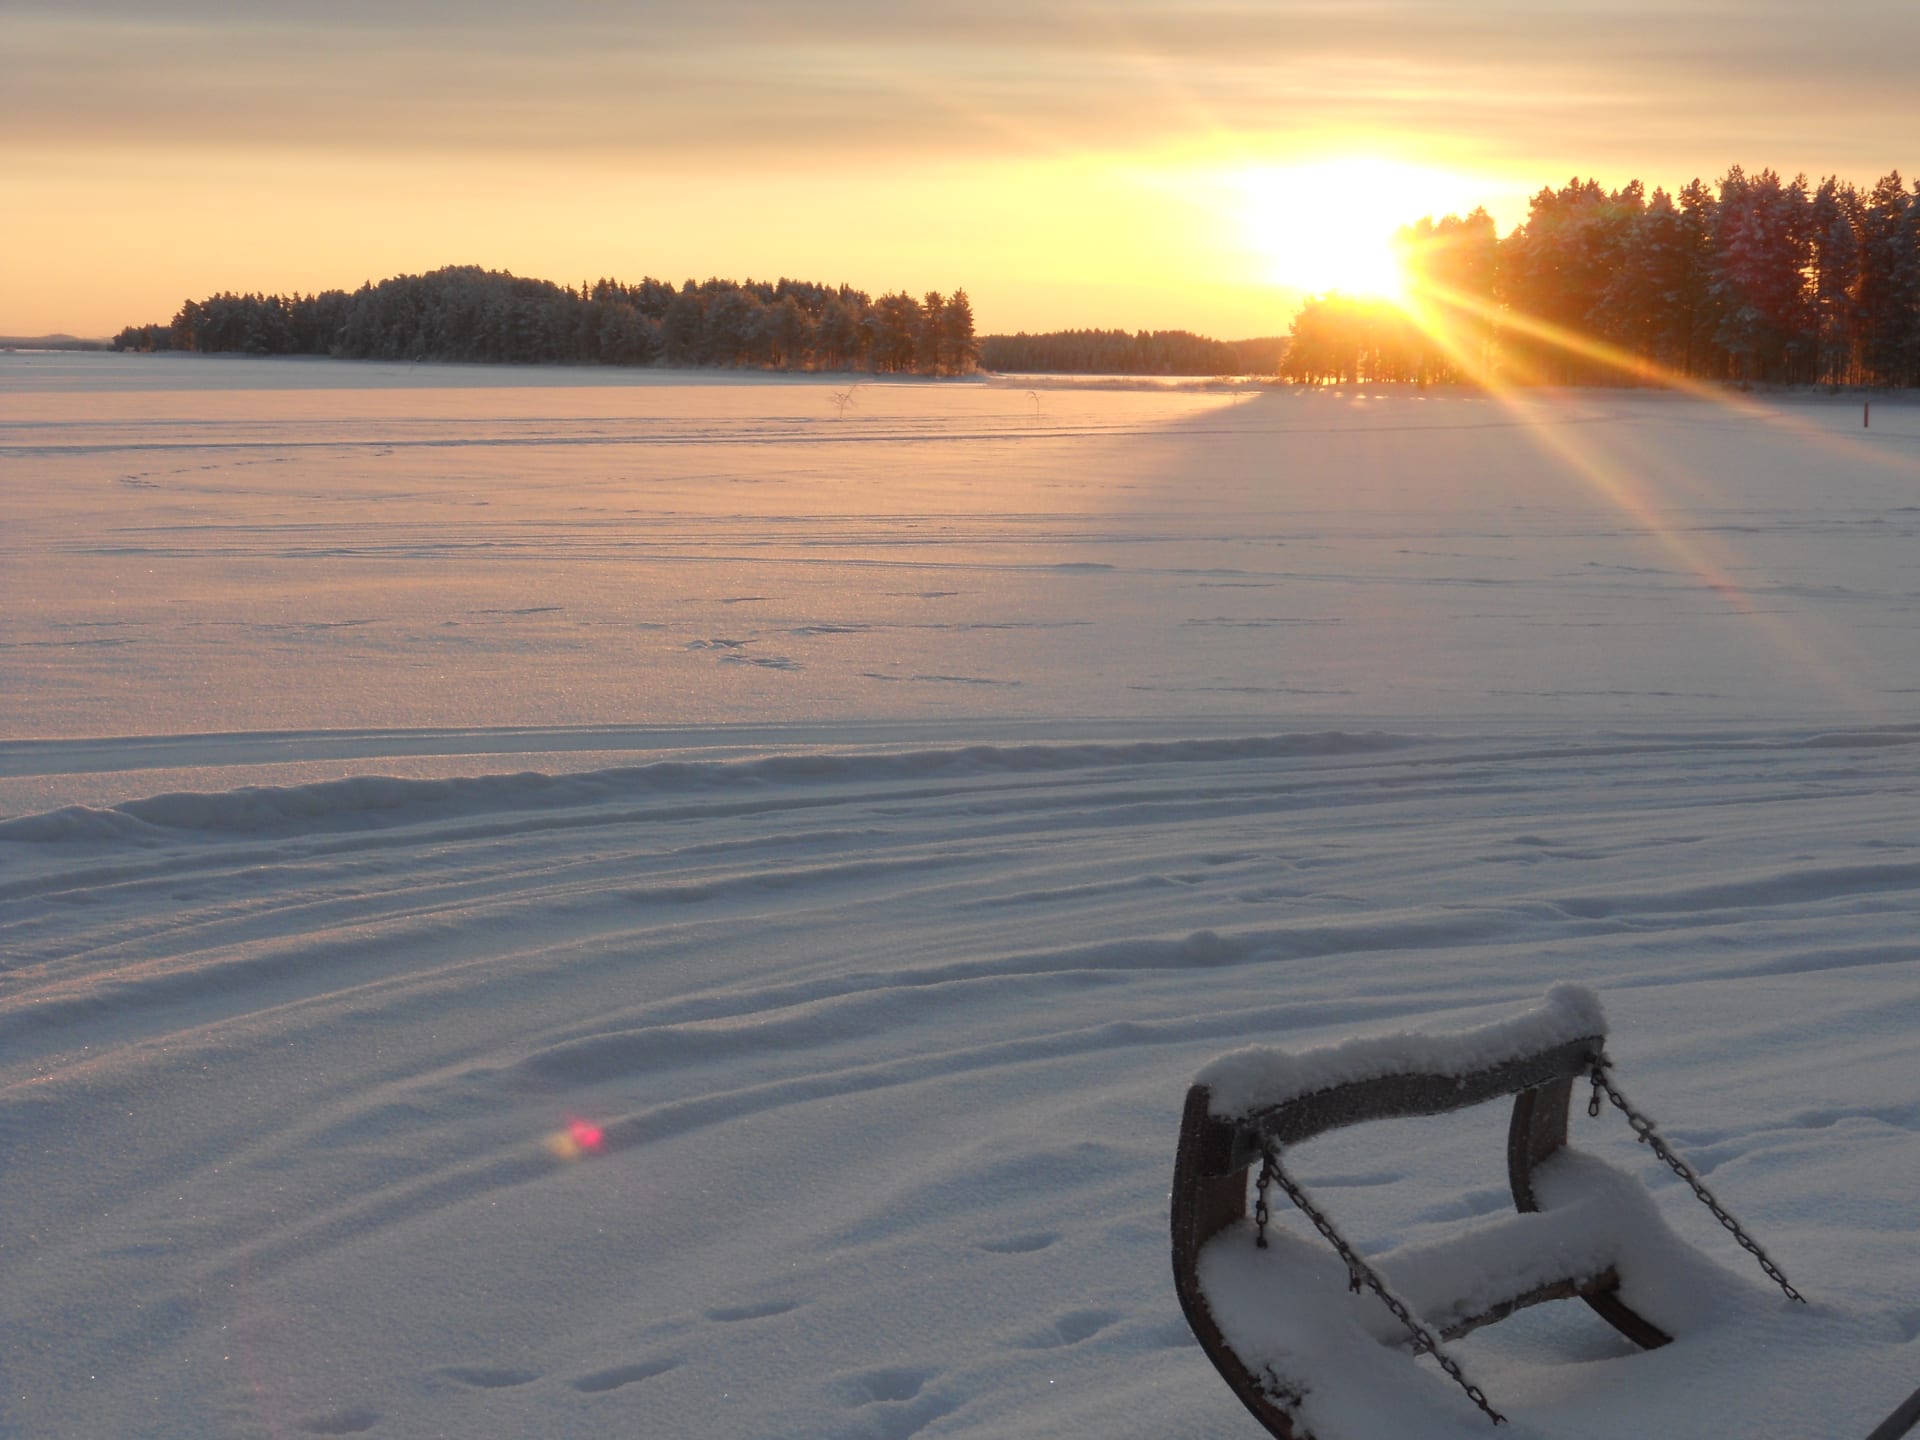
(754, 83)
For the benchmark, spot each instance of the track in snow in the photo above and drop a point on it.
(879, 1055)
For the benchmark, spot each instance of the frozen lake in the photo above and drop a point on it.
(333, 549)
(576, 903)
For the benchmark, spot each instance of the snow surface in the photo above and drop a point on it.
(539, 904)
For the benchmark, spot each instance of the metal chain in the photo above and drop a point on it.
(1269, 1167)
(1644, 1132)
(1361, 1272)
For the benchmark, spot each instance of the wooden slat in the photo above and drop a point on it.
(1391, 1097)
(1209, 1195)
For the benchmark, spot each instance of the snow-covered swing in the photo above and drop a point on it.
(1274, 1313)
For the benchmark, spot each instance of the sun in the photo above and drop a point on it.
(1330, 224)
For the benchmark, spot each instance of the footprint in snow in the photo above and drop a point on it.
(1019, 1244)
(765, 662)
(761, 1311)
(354, 1420)
(1070, 1329)
(489, 1377)
(601, 1381)
(893, 1402)
(888, 1385)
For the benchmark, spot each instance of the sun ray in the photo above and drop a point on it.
(1437, 310)
(1437, 313)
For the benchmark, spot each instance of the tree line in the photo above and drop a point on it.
(1757, 280)
(1117, 352)
(464, 313)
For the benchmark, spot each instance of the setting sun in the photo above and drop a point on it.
(1330, 224)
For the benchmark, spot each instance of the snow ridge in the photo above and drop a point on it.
(381, 800)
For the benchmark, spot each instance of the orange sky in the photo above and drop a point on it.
(1154, 163)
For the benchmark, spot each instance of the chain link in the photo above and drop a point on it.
(1360, 1272)
(1269, 1167)
(1644, 1131)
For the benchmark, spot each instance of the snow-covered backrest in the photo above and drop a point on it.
(1290, 1095)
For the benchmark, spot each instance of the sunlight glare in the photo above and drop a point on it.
(1330, 224)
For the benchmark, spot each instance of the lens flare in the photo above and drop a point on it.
(580, 1139)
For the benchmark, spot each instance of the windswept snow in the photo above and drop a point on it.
(566, 908)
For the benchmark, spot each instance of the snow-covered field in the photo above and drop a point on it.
(565, 904)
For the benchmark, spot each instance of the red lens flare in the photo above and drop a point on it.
(580, 1139)
(590, 1138)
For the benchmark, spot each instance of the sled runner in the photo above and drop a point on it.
(1271, 1310)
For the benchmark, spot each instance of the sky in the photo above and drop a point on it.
(1193, 164)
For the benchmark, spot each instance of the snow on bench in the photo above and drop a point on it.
(1247, 1081)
